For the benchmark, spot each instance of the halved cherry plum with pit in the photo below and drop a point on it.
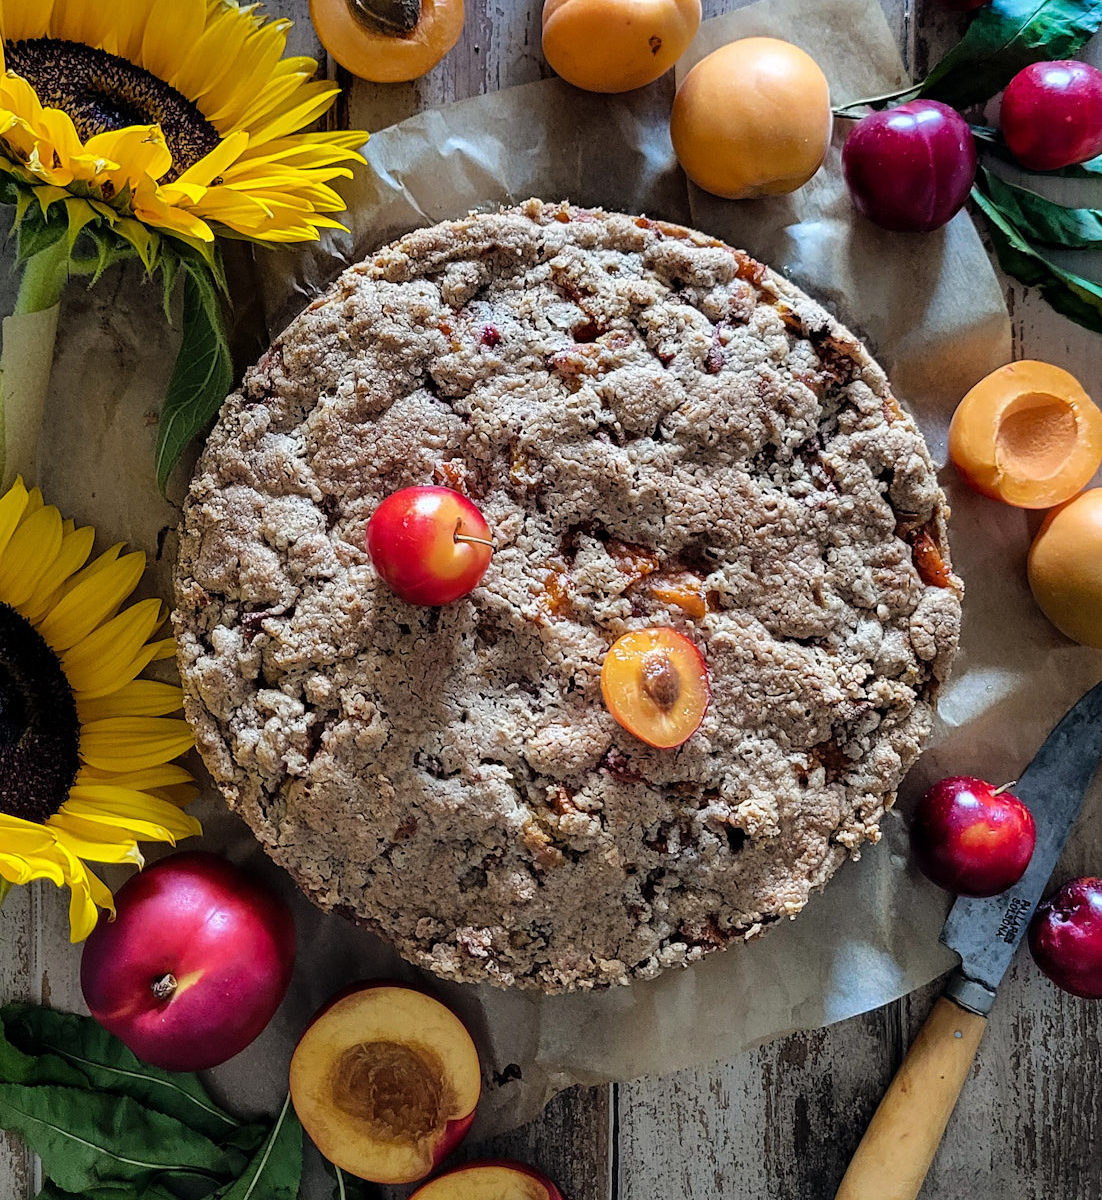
(1028, 435)
(386, 1082)
(655, 683)
(490, 1181)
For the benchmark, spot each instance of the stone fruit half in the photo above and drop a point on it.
(386, 1082)
(490, 1181)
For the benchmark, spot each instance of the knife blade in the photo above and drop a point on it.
(986, 932)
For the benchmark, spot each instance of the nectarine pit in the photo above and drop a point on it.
(397, 1091)
(391, 18)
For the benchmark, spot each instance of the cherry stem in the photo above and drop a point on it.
(466, 537)
(165, 987)
(1005, 787)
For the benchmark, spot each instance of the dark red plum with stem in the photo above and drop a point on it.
(1052, 114)
(910, 168)
(1065, 938)
(971, 837)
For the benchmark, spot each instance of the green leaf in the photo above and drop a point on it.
(86, 1139)
(348, 1187)
(107, 1065)
(276, 1168)
(1043, 220)
(39, 231)
(1077, 298)
(119, 1191)
(1006, 36)
(204, 370)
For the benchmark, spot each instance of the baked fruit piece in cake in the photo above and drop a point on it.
(661, 432)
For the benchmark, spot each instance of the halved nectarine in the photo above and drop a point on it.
(1028, 435)
(655, 683)
(386, 1081)
(388, 41)
(490, 1181)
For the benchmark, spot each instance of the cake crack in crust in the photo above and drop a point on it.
(660, 431)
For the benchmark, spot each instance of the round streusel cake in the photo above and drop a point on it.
(660, 431)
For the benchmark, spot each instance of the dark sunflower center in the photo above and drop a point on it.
(102, 92)
(39, 727)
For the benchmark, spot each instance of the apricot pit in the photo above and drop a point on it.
(386, 1081)
(1027, 434)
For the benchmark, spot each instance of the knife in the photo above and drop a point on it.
(895, 1154)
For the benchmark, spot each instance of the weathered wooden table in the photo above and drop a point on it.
(779, 1123)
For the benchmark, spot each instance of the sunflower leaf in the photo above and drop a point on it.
(105, 1064)
(86, 1139)
(275, 1171)
(203, 374)
(40, 230)
(1006, 36)
(1077, 298)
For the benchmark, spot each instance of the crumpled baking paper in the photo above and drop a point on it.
(932, 311)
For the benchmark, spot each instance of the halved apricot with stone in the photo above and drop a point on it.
(1028, 435)
(388, 41)
(655, 683)
(386, 1081)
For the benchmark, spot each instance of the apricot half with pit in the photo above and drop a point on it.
(388, 41)
(490, 1181)
(386, 1082)
(1065, 568)
(1027, 434)
(655, 683)
(616, 45)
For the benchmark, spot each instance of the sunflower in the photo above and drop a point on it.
(149, 128)
(181, 114)
(86, 746)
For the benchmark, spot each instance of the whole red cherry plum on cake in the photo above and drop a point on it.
(430, 545)
(194, 965)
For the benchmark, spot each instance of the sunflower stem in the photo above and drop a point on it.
(30, 334)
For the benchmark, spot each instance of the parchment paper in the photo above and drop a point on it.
(932, 311)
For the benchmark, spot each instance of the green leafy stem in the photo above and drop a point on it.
(1025, 227)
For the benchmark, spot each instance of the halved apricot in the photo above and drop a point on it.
(386, 1082)
(388, 41)
(655, 683)
(490, 1181)
(616, 45)
(1065, 568)
(1028, 435)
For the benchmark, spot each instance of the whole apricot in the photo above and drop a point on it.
(388, 41)
(752, 119)
(1027, 434)
(1065, 568)
(616, 45)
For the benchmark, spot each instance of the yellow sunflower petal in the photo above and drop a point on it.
(139, 698)
(170, 25)
(12, 507)
(95, 842)
(148, 817)
(131, 743)
(164, 775)
(216, 162)
(31, 552)
(87, 895)
(91, 602)
(26, 19)
(100, 662)
(76, 545)
(182, 795)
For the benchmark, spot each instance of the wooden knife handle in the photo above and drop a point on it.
(894, 1155)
